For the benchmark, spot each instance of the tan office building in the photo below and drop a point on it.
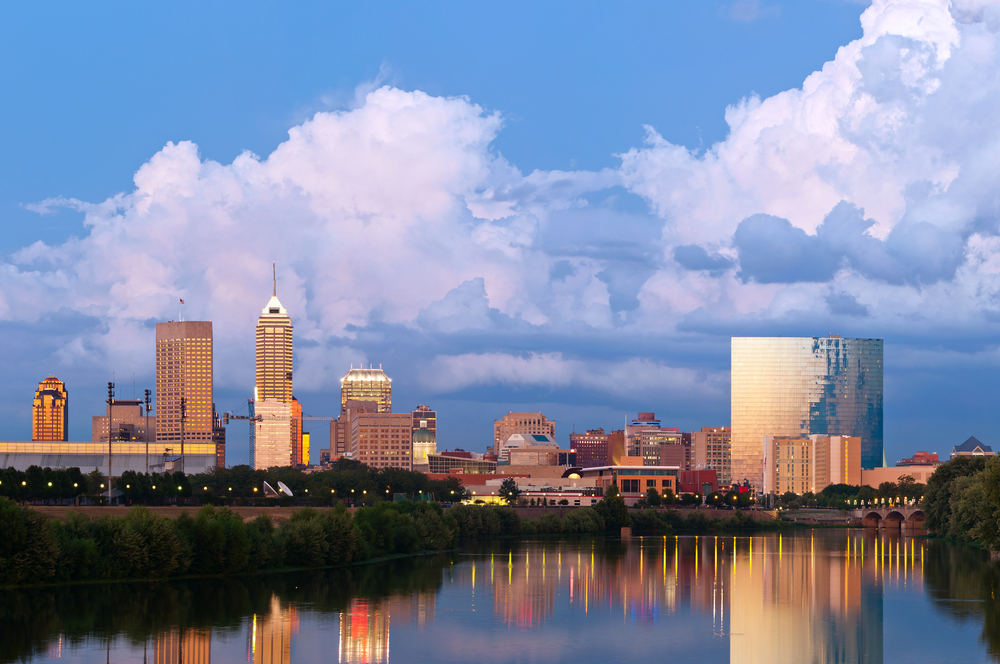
(712, 450)
(50, 411)
(278, 435)
(810, 463)
(526, 423)
(129, 422)
(382, 440)
(366, 385)
(184, 371)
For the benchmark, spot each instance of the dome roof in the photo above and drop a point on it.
(424, 436)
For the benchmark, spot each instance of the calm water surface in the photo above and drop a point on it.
(823, 596)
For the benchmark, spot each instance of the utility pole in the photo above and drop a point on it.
(147, 431)
(111, 421)
(183, 417)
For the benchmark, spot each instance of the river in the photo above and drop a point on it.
(812, 596)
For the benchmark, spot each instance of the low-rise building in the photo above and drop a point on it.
(971, 447)
(460, 462)
(634, 478)
(921, 459)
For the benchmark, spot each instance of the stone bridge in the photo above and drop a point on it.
(905, 518)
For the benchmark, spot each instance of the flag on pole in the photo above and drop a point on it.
(182, 301)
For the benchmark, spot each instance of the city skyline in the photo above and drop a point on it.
(584, 245)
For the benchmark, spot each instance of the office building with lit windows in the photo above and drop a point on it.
(797, 386)
(184, 371)
(646, 438)
(366, 385)
(712, 450)
(50, 411)
(382, 440)
(526, 423)
(278, 435)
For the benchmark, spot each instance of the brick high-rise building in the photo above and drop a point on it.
(527, 423)
(50, 411)
(184, 371)
(593, 448)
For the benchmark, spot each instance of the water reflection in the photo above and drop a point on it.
(814, 597)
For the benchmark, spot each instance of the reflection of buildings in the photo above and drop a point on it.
(271, 634)
(524, 594)
(364, 626)
(192, 646)
(793, 603)
(364, 633)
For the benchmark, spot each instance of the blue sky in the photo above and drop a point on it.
(569, 207)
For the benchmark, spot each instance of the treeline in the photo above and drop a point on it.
(476, 522)
(37, 549)
(845, 496)
(962, 501)
(348, 481)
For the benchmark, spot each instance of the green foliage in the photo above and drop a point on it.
(486, 521)
(690, 499)
(938, 502)
(612, 509)
(648, 522)
(28, 550)
(987, 530)
(509, 491)
(653, 498)
(214, 541)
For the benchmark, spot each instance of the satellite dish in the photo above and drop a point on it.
(269, 491)
(284, 489)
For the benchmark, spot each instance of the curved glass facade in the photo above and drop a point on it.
(790, 386)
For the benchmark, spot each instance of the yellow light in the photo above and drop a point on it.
(74, 485)
(230, 488)
(102, 486)
(50, 483)
(178, 488)
(127, 486)
(331, 490)
(154, 486)
(255, 489)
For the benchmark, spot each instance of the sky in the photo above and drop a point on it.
(565, 207)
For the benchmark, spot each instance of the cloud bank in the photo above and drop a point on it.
(866, 199)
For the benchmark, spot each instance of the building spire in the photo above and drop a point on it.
(274, 279)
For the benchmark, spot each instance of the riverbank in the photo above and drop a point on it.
(59, 545)
(60, 512)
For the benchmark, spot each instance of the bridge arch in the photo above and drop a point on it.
(872, 520)
(894, 520)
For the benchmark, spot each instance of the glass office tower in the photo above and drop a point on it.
(789, 386)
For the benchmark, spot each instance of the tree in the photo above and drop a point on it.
(612, 509)
(509, 491)
(653, 498)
